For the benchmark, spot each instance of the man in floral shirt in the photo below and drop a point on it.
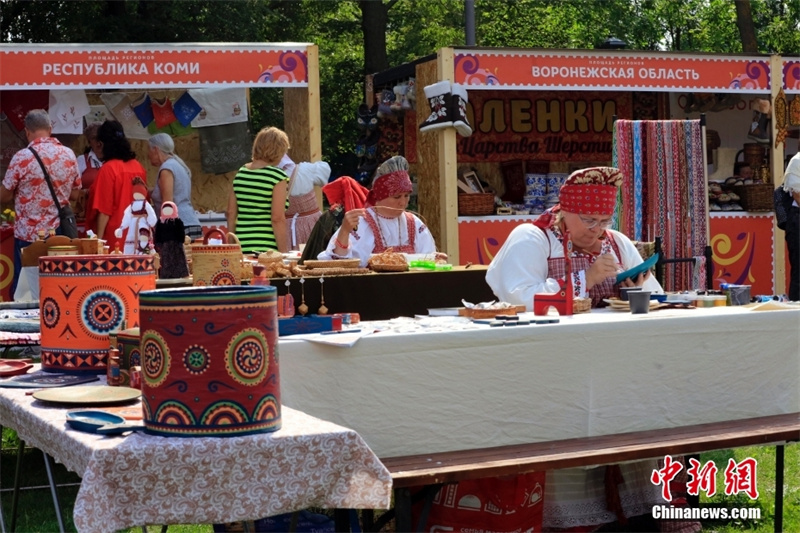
(24, 182)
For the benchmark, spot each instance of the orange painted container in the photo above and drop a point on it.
(83, 299)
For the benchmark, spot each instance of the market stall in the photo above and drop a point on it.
(547, 113)
(109, 80)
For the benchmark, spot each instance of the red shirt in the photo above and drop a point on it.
(111, 193)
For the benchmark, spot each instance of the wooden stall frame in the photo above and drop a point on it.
(443, 218)
(178, 66)
(294, 67)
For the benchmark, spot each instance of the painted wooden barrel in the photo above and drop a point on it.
(84, 298)
(210, 361)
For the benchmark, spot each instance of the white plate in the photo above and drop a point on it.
(443, 311)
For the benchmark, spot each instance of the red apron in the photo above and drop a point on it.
(380, 246)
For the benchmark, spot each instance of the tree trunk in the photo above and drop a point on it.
(374, 19)
(747, 32)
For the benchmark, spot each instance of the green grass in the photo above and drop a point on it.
(765, 455)
(36, 512)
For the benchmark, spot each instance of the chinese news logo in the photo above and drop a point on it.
(739, 477)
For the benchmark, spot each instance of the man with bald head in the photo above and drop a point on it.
(25, 184)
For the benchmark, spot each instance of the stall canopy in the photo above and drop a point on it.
(132, 66)
(605, 70)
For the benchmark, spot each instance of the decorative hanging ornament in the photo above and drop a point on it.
(302, 308)
(322, 309)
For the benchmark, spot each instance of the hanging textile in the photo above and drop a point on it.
(119, 104)
(142, 106)
(219, 106)
(67, 109)
(185, 108)
(224, 148)
(664, 191)
(162, 111)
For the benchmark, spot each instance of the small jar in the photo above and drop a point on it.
(113, 373)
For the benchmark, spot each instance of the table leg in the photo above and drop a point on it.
(15, 494)
(402, 510)
(368, 519)
(2, 520)
(779, 451)
(341, 520)
(48, 464)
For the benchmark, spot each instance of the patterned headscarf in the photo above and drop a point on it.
(170, 206)
(591, 191)
(388, 185)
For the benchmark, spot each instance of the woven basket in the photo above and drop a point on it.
(475, 204)
(581, 305)
(217, 264)
(756, 197)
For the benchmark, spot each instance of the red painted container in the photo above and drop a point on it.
(210, 361)
(82, 300)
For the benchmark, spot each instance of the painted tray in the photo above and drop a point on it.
(90, 421)
(88, 395)
(14, 368)
(310, 264)
(41, 380)
(638, 269)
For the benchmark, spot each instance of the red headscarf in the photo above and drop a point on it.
(589, 191)
(347, 192)
(388, 185)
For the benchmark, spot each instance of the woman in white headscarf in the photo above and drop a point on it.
(173, 183)
(791, 184)
(304, 207)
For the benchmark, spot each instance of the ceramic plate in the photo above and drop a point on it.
(14, 368)
(88, 395)
(443, 311)
(91, 421)
(638, 269)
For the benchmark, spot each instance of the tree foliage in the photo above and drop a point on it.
(359, 37)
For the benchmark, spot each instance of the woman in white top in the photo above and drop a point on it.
(384, 223)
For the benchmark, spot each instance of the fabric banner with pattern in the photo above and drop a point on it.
(664, 191)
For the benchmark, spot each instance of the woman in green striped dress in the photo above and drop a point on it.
(259, 198)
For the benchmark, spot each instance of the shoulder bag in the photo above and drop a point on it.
(69, 226)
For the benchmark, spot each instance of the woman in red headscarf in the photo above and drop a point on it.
(532, 259)
(384, 223)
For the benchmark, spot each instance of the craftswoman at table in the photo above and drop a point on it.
(532, 259)
(384, 223)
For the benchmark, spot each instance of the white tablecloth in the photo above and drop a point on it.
(144, 479)
(595, 374)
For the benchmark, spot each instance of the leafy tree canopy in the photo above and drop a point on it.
(351, 34)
